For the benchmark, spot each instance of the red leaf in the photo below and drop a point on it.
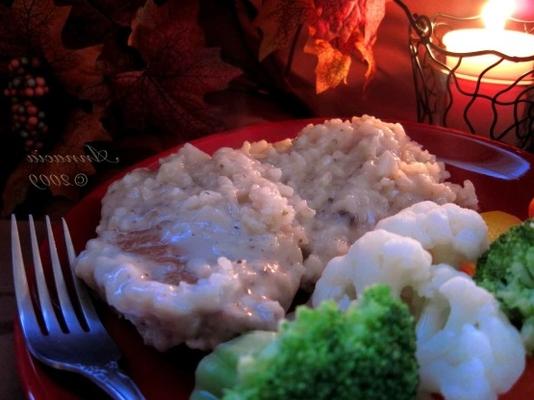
(279, 21)
(169, 93)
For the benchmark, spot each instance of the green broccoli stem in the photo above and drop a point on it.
(219, 370)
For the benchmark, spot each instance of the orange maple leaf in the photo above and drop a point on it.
(332, 65)
(340, 30)
(279, 21)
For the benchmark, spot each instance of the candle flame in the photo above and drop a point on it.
(496, 12)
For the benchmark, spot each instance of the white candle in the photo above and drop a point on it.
(493, 37)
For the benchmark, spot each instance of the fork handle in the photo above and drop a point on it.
(110, 379)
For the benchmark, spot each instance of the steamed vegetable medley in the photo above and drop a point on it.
(396, 318)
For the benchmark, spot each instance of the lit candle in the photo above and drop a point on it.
(493, 104)
(493, 37)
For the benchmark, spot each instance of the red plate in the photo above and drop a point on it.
(504, 178)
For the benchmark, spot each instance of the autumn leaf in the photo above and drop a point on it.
(169, 94)
(374, 14)
(33, 27)
(77, 70)
(335, 19)
(82, 128)
(350, 26)
(332, 65)
(279, 21)
(338, 32)
(25, 25)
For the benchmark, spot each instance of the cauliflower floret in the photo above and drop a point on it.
(450, 233)
(466, 348)
(378, 256)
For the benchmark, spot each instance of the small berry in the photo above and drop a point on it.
(6, 92)
(23, 134)
(21, 109)
(24, 60)
(30, 82)
(40, 81)
(39, 91)
(35, 62)
(29, 92)
(32, 121)
(32, 110)
(15, 63)
(29, 143)
(41, 114)
(41, 125)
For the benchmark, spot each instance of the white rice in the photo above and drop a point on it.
(209, 247)
(353, 174)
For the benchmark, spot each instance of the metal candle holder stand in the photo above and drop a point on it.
(435, 81)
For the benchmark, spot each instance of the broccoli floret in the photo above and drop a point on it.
(506, 269)
(367, 352)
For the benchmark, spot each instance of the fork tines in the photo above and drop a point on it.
(52, 318)
(54, 334)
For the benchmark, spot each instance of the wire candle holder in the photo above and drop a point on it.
(481, 103)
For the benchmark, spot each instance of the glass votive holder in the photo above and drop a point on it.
(473, 79)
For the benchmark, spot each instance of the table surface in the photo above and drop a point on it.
(10, 387)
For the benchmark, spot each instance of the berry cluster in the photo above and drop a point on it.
(26, 88)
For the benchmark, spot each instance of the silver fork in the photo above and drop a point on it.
(89, 351)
